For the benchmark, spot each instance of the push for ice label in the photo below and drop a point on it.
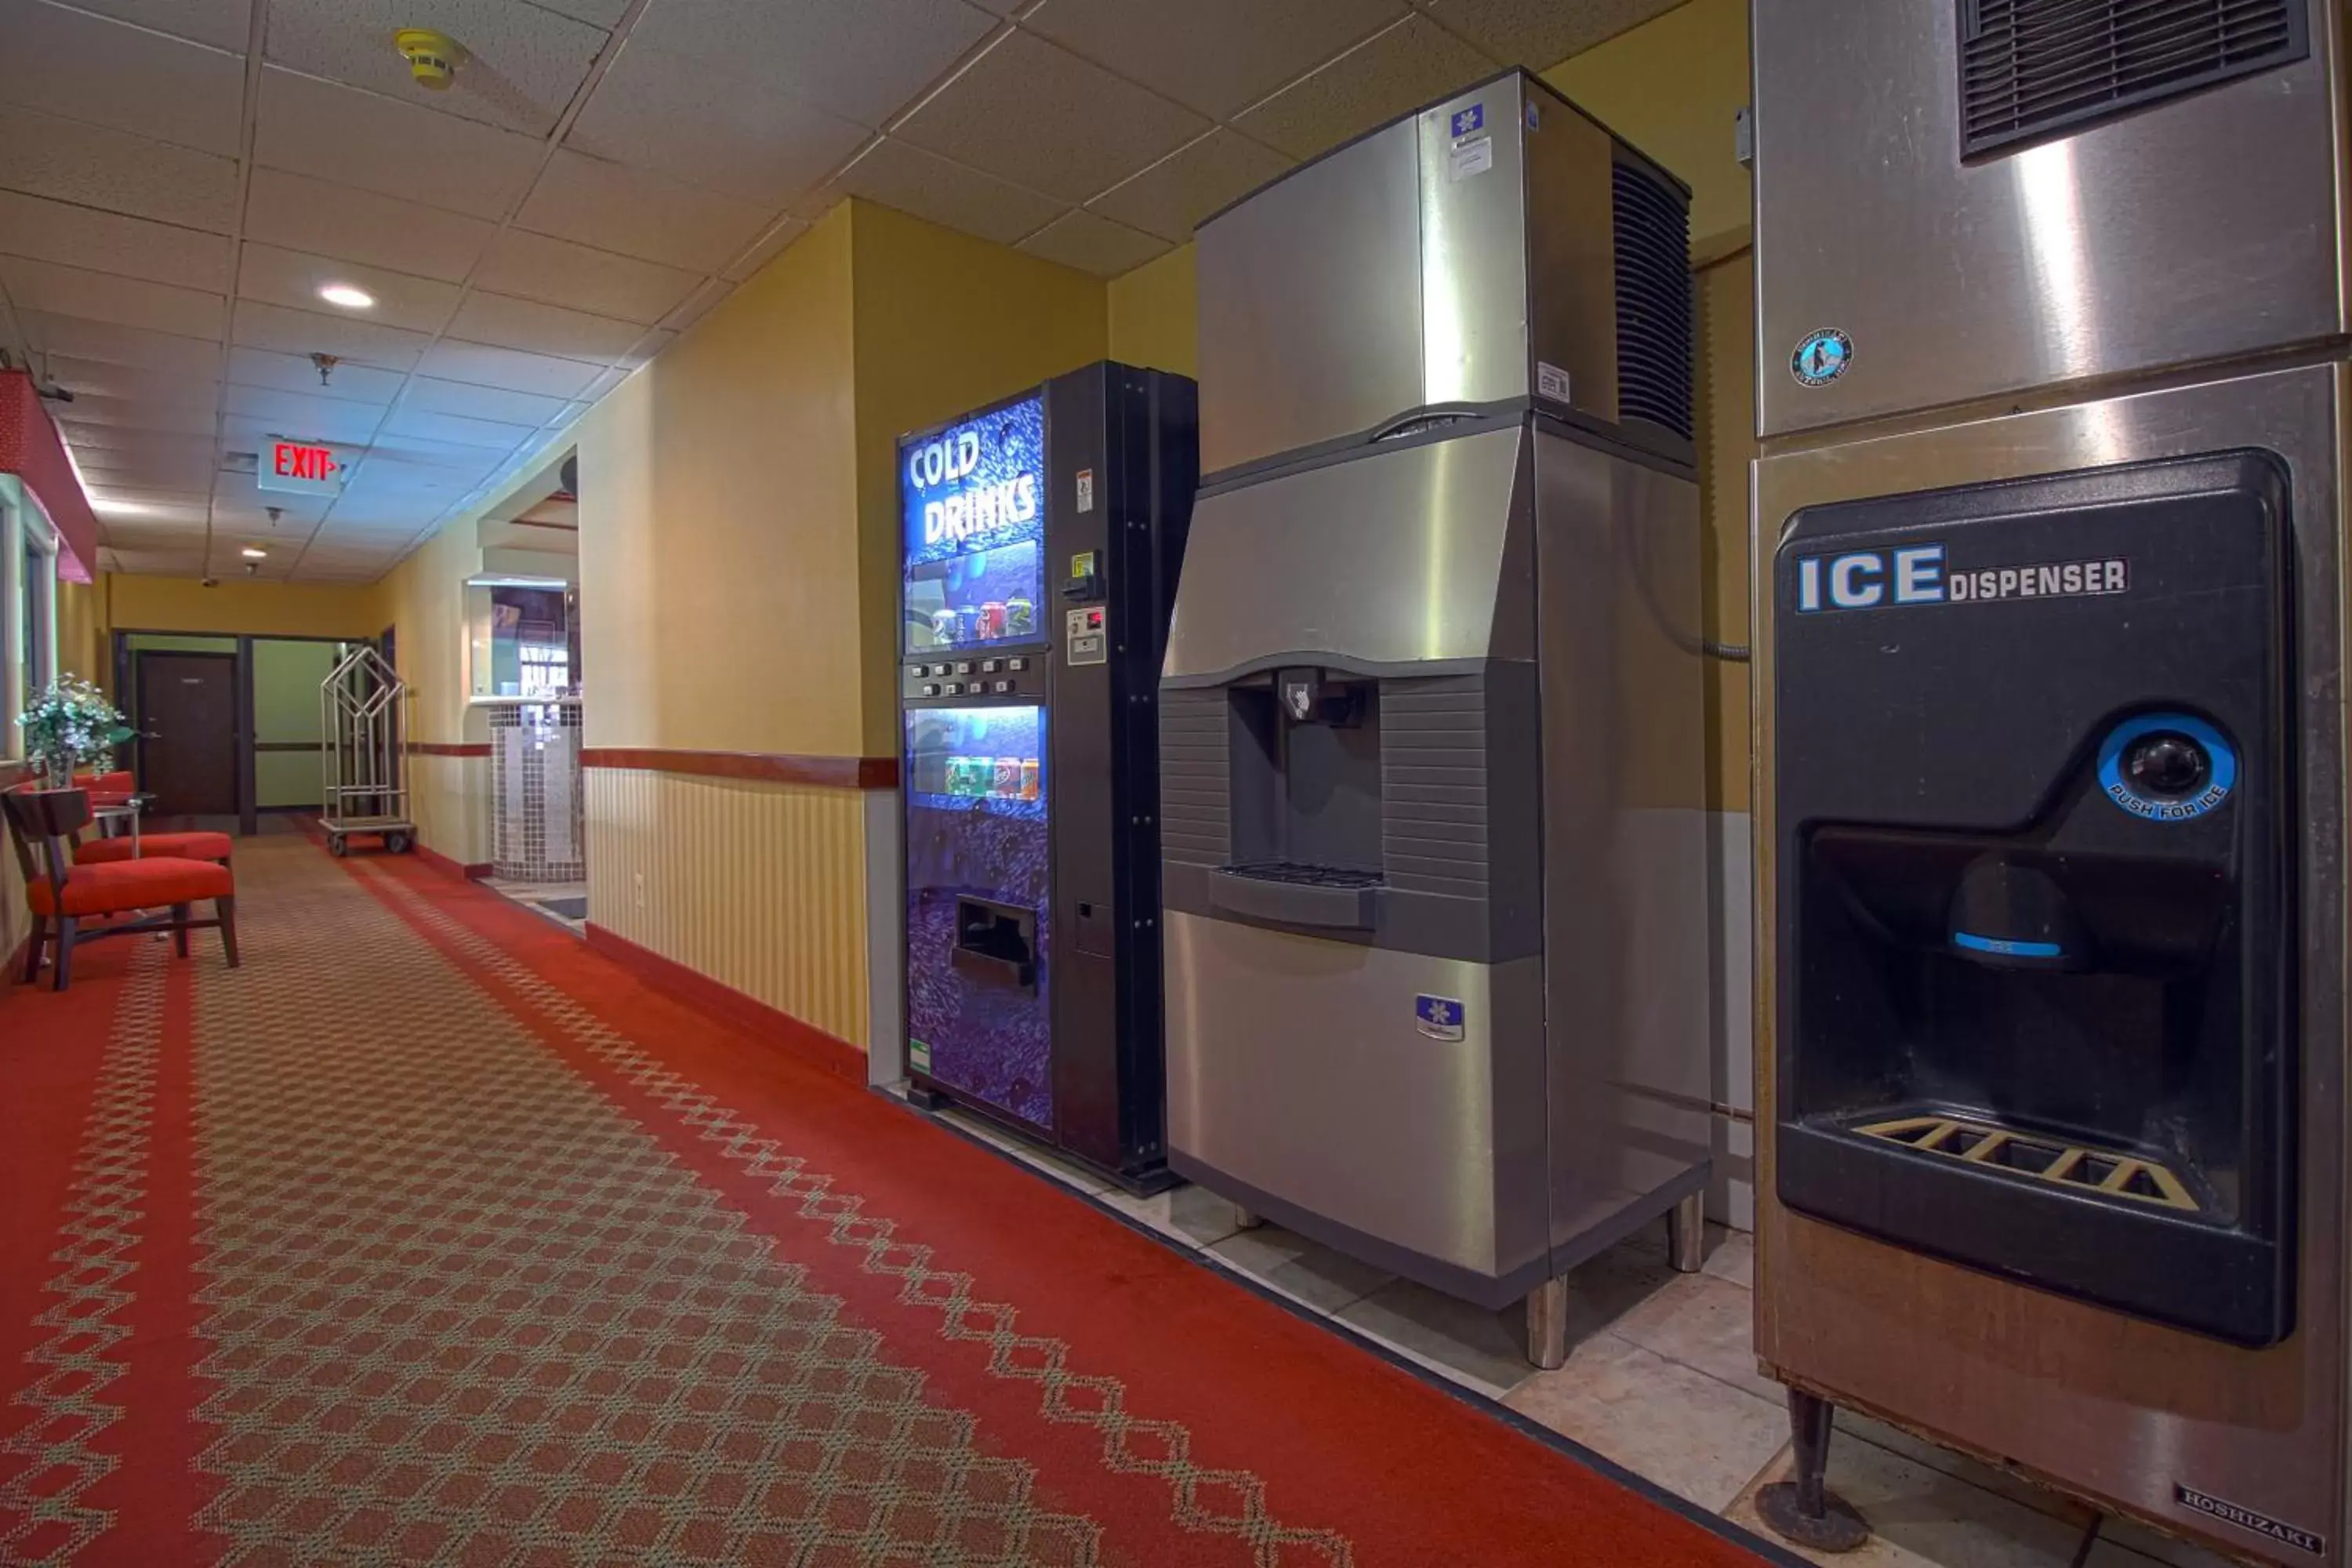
(1440, 1017)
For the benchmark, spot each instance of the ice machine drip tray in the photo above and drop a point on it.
(1989, 1145)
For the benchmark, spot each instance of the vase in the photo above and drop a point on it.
(58, 772)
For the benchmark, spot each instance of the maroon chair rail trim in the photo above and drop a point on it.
(767, 767)
(443, 749)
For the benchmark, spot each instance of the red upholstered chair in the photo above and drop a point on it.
(63, 895)
(116, 789)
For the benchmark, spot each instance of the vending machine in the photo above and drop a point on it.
(1041, 537)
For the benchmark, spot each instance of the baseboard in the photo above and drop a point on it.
(442, 863)
(806, 1041)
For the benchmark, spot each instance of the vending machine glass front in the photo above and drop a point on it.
(973, 500)
(979, 906)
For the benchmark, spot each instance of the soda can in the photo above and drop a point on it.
(1020, 619)
(1007, 782)
(967, 623)
(943, 625)
(991, 619)
(1028, 778)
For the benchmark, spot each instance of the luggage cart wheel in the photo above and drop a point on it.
(337, 847)
(395, 843)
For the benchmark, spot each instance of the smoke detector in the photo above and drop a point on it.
(432, 57)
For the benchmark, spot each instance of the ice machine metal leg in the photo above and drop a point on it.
(1802, 1507)
(1548, 1324)
(1246, 1219)
(1686, 1234)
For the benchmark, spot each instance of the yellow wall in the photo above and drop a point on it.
(241, 608)
(944, 324)
(422, 600)
(718, 559)
(1671, 87)
(1153, 314)
(83, 643)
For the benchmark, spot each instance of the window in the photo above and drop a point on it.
(524, 637)
(28, 612)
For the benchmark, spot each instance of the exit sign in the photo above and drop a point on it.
(304, 468)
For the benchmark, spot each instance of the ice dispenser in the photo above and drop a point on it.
(2035, 815)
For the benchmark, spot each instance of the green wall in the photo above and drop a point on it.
(285, 677)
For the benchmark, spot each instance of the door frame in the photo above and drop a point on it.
(126, 681)
(240, 687)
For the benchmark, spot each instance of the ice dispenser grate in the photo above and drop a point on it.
(1990, 1144)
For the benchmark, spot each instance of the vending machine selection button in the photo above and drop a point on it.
(931, 690)
(952, 688)
(964, 666)
(988, 667)
(1016, 664)
(1004, 685)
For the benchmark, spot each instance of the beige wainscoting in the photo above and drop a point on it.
(449, 799)
(756, 884)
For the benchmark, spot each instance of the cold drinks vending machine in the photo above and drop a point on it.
(1041, 539)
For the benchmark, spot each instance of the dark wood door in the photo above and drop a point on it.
(187, 708)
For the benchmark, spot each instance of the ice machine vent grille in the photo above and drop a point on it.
(2029, 68)
(1653, 300)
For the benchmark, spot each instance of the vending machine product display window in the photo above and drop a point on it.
(975, 526)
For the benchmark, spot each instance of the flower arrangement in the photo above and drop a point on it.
(71, 722)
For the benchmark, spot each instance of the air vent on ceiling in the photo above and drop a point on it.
(2029, 68)
(1654, 299)
(240, 463)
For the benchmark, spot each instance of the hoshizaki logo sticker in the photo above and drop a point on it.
(1441, 1017)
(1821, 358)
(2247, 1518)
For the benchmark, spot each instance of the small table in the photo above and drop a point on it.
(110, 817)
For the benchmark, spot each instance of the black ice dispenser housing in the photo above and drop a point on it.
(2034, 813)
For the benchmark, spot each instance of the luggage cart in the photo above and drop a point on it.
(363, 766)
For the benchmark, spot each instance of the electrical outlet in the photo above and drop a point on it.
(639, 878)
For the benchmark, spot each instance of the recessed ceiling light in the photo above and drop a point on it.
(251, 553)
(348, 296)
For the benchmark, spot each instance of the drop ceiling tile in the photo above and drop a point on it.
(134, 447)
(129, 470)
(85, 339)
(644, 350)
(1080, 239)
(238, 503)
(1216, 56)
(480, 365)
(305, 418)
(699, 304)
(191, 410)
(323, 219)
(100, 378)
(223, 24)
(290, 278)
(1175, 194)
(110, 242)
(512, 323)
(603, 12)
(654, 110)
(96, 167)
(636, 214)
(580, 277)
(427, 394)
(158, 563)
(896, 175)
(1539, 33)
(521, 66)
(861, 61)
(390, 146)
(771, 245)
(69, 62)
(295, 373)
(261, 325)
(485, 434)
(1413, 63)
(44, 287)
(1038, 115)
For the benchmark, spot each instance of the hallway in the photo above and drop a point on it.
(428, 1235)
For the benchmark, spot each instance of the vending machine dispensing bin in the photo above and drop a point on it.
(1042, 542)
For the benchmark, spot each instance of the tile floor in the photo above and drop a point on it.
(1661, 1380)
(556, 901)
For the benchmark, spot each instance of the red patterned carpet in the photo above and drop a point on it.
(428, 1235)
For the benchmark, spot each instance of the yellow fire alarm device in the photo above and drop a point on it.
(432, 57)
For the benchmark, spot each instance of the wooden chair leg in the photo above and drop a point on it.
(180, 929)
(225, 909)
(63, 962)
(33, 948)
